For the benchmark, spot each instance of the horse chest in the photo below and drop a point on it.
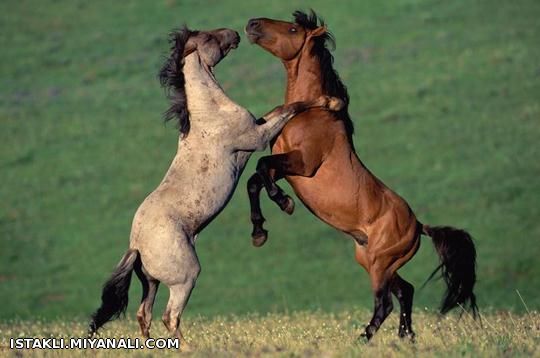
(309, 127)
(223, 177)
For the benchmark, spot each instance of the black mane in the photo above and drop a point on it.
(331, 82)
(171, 77)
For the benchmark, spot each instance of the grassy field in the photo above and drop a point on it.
(445, 98)
(317, 334)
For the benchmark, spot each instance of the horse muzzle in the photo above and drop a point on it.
(253, 30)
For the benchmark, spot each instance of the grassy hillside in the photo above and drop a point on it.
(444, 95)
(316, 334)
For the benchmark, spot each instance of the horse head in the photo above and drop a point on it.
(211, 46)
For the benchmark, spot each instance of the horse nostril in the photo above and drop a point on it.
(253, 24)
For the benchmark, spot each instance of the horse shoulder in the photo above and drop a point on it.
(232, 118)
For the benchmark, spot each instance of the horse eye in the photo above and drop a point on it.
(292, 29)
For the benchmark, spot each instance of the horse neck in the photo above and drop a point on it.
(304, 78)
(205, 101)
(203, 92)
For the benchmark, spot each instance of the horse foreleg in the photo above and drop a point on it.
(267, 169)
(259, 234)
(269, 126)
(254, 185)
(270, 169)
(272, 122)
(258, 136)
(273, 167)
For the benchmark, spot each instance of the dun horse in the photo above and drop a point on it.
(217, 137)
(315, 154)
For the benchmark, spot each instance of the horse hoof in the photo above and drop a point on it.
(368, 333)
(259, 239)
(288, 207)
(364, 336)
(404, 334)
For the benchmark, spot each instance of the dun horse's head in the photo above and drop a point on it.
(211, 46)
(287, 40)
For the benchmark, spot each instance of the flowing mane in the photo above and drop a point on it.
(331, 82)
(171, 77)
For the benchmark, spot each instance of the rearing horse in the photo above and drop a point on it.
(315, 154)
(217, 137)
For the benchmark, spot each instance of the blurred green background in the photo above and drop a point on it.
(445, 98)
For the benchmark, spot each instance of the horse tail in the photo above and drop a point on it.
(457, 255)
(114, 297)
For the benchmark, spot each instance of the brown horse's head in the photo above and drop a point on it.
(211, 46)
(306, 39)
(286, 40)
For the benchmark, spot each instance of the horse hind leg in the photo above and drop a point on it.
(382, 305)
(381, 288)
(404, 292)
(383, 272)
(179, 296)
(149, 288)
(180, 291)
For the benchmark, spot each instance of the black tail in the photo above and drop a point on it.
(114, 298)
(458, 266)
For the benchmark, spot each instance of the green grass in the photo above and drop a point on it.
(444, 95)
(313, 334)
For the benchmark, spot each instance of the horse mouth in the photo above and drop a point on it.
(236, 41)
(253, 36)
(233, 45)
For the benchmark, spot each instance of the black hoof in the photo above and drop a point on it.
(287, 205)
(407, 334)
(259, 239)
(368, 333)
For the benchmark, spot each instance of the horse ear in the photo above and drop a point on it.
(319, 31)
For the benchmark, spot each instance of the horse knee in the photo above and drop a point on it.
(262, 165)
(253, 184)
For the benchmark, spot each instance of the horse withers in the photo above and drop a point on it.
(316, 155)
(217, 137)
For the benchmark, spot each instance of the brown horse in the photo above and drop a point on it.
(315, 154)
